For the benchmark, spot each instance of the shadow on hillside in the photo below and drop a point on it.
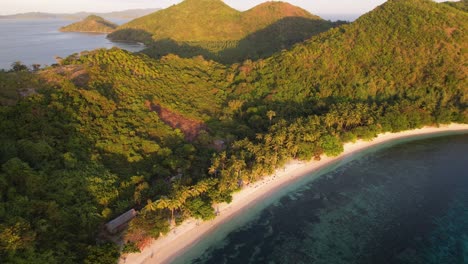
(163, 47)
(280, 35)
(137, 35)
(283, 34)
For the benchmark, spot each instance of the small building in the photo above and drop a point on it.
(119, 223)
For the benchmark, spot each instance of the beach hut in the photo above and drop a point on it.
(118, 223)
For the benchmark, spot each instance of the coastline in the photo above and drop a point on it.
(183, 237)
(89, 32)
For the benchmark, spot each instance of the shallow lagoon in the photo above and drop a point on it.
(403, 202)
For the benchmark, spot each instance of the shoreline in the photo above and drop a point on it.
(180, 239)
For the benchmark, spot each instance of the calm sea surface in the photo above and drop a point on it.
(40, 41)
(400, 203)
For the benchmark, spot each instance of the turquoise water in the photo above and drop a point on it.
(403, 202)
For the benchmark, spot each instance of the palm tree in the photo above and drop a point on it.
(179, 197)
(183, 193)
(270, 115)
(237, 166)
(201, 187)
(164, 203)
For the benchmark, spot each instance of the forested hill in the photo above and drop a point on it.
(213, 29)
(93, 138)
(462, 5)
(107, 131)
(212, 20)
(92, 24)
(400, 49)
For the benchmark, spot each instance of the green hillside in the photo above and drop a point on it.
(191, 20)
(91, 24)
(213, 29)
(462, 5)
(398, 67)
(394, 50)
(107, 131)
(92, 143)
(211, 20)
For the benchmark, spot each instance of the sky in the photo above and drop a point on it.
(71, 6)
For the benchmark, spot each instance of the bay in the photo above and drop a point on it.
(401, 202)
(39, 41)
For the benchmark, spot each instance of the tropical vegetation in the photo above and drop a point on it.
(106, 131)
(218, 32)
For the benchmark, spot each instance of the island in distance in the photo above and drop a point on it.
(125, 14)
(91, 24)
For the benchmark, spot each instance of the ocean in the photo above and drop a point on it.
(39, 41)
(401, 202)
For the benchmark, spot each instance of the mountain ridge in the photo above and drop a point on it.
(217, 31)
(212, 20)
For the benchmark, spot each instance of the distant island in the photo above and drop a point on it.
(216, 31)
(91, 24)
(124, 14)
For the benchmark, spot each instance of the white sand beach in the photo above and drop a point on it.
(181, 238)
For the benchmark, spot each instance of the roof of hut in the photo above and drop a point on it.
(113, 225)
